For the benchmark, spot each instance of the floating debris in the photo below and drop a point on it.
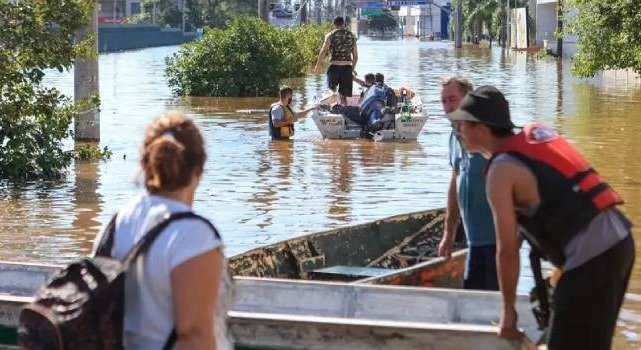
(252, 111)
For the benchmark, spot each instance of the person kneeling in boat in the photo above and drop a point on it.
(282, 117)
(374, 106)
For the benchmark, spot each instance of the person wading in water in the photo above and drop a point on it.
(341, 44)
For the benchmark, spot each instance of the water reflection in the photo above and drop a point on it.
(258, 191)
(274, 179)
(86, 202)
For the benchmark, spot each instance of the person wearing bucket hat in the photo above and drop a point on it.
(539, 184)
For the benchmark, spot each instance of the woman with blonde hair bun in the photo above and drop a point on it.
(177, 292)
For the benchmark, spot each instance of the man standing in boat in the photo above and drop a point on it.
(282, 117)
(466, 201)
(341, 45)
(536, 179)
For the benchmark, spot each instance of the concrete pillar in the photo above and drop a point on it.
(263, 10)
(458, 23)
(87, 121)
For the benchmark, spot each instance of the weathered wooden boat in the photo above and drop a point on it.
(398, 250)
(337, 126)
(290, 314)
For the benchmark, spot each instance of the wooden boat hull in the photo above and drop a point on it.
(380, 252)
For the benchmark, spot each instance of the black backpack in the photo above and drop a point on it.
(82, 306)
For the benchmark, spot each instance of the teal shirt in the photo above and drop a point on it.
(470, 187)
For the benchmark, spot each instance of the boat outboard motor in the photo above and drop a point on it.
(371, 107)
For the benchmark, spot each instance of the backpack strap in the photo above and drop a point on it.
(145, 242)
(107, 240)
(171, 340)
(106, 244)
(542, 311)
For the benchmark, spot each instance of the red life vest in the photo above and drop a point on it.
(572, 193)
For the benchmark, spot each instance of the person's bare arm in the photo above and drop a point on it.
(359, 81)
(452, 216)
(194, 285)
(321, 55)
(283, 123)
(302, 113)
(278, 117)
(500, 187)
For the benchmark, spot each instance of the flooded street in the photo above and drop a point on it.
(258, 191)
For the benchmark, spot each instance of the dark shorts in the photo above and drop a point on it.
(587, 300)
(341, 77)
(480, 269)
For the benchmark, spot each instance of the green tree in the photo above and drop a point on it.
(34, 120)
(609, 35)
(383, 22)
(249, 58)
(478, 14)
(198, 13)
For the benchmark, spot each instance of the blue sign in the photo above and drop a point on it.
(407, 3)
(372, 5)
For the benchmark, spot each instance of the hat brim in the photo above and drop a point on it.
(462, 115)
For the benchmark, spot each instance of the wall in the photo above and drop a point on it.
(116, 37)
(546, 20)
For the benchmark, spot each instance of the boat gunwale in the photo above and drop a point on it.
(393, 218)
(366, 322)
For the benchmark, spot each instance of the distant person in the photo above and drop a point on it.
(370, 79)
(341, 45)
(282, 117)
(391, 99)
(538, 180)
(181, 282)
(466, 200)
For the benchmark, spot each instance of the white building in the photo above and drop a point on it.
(546, 25)
(425, 20)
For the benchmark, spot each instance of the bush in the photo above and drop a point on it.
(34, 36)
(249, 58)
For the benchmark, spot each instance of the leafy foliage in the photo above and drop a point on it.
(35, 36)
(609, 36)
(198, 13)
(91, 152)
(249, 58)
(383, 22)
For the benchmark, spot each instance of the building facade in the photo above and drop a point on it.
(115, 11)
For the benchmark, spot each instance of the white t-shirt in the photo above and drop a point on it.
(149, 314)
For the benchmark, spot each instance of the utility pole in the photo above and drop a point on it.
(303, 11)
(319, 11)
(559, 28)
(532, 14)
(153, 13)
(458, 22)
(263, 10)
(508, 26)
(113, 18)
(85, 77)
(182, 10)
